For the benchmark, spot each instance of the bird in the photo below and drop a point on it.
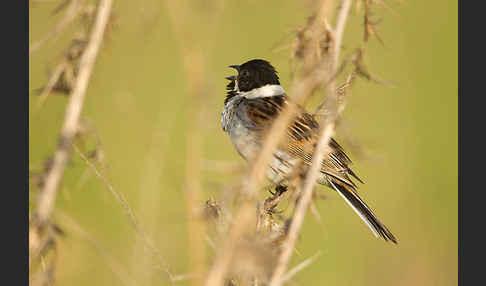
(254, 99)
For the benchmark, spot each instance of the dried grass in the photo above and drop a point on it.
(252, 240)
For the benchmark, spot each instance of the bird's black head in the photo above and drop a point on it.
(255, 74)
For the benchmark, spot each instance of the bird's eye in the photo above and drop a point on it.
(245, 73)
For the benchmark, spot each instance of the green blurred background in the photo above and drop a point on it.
(138, 99)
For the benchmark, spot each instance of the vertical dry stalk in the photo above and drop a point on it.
(193, 55)
(196, 227)
(193, 66)
(339, 31)
(73, 111)
(322, 149)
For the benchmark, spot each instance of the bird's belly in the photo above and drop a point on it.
(280, 167)
(244, 141)
(247, 143)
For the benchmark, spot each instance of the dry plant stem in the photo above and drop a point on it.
(300, 267)
(321, 150)
(73, 112)
(243, 221)
(195, 226)
(133, 219)
(268, 205)
(196, 247)
(273, 201)
(193, 48)
(63, 24)
(301, 209)
(339, 30)
(51, 83)
(301, 89)
(149, 203)
(338, 37)
(115, 266)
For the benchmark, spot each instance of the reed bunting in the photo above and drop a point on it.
(254, 99)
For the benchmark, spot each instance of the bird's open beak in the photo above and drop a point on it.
(230, 77)
(236, 67)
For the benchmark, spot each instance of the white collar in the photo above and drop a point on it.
(264, 91)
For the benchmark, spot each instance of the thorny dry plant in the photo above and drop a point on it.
(315, 53)
(76, 67)
(252, 240)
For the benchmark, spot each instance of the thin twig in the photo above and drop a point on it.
(56, 75)
(331, 79)
(149, 205)
(115, 266)
(339, 29)
(130, 213)
(268, 207)
(63, 24)
(300, 267)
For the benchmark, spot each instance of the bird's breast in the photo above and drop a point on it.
(240, 132)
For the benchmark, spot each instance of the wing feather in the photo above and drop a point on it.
(301, 139)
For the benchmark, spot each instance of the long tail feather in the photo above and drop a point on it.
(364, 212)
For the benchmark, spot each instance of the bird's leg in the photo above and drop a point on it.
(280, 190)
(277, 196)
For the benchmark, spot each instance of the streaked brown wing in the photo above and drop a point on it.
(262, 111)
(301, 136)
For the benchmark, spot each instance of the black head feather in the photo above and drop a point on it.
(256, 73)
(252, 74)
(230, 88)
